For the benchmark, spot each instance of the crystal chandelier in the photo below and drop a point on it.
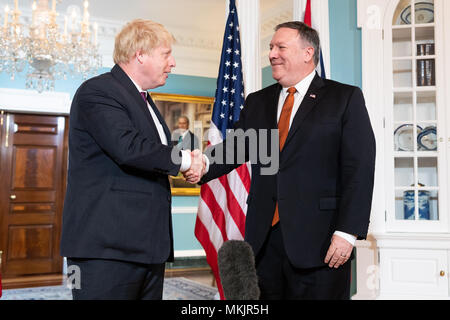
(45, 52)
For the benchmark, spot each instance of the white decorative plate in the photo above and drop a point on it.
(404, 137)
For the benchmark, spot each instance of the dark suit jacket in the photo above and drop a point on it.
(325, 177)
(118, 200)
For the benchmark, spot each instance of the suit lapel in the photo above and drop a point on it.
(272, 106)
(312, 97)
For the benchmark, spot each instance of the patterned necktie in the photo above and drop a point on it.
(283, 129)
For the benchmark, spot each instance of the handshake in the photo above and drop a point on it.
(197, 169)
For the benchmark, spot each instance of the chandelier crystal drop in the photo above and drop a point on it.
(45, 52)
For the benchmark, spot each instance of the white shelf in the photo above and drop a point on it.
(419, 122)
(418, 154)
(406, 26)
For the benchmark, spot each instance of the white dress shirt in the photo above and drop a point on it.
(186, 156)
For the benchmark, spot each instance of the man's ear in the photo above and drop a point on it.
(309, 54)
(139, 57)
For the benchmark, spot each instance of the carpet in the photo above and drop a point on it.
(174, 289)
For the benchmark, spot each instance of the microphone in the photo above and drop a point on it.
(237, 271)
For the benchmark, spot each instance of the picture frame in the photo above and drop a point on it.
(198, 109)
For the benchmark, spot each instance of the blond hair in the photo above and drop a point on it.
(140, 35)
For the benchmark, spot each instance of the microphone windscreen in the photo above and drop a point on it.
(237, 271)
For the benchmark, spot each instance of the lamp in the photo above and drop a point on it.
(49, 53)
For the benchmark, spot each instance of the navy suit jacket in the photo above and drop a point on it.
(326, 170)
(118, 199)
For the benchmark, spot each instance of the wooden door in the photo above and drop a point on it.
(33, 163)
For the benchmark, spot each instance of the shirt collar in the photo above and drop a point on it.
(136, 85)
(303, 86)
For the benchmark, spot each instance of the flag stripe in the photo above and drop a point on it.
(322, 66)
(216, 210)
(238, 188)
(202, 234)
(244, 175)
(234, 208)
(214, 235)
(221, 198)
(308, 19)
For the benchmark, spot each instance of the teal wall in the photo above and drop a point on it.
(345, 42)
(267, 79)
(184, 224)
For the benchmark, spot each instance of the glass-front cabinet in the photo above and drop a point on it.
(415, 119)
(406, 83)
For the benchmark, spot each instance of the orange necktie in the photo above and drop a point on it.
(283, 129)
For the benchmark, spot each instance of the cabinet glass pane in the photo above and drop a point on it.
(428, 172)
(404, 172)
(434, 205)
(424, 11)
(425, 34)
(427, 138)
(426, 72)
(402, 73)
(402, 14)
(425, 48)
(405, 136)
(401, 42)
(403, 107)
(405, 205)
(426, 106)
(399, 205)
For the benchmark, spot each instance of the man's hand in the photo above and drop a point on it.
(339, 252)
(197, 169)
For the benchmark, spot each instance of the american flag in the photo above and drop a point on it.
(222, 205)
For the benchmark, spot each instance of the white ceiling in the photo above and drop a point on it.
(192, 15)
(198, 25)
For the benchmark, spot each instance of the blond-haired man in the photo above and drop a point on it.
(117, 228)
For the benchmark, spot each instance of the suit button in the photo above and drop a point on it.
(169, 198)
